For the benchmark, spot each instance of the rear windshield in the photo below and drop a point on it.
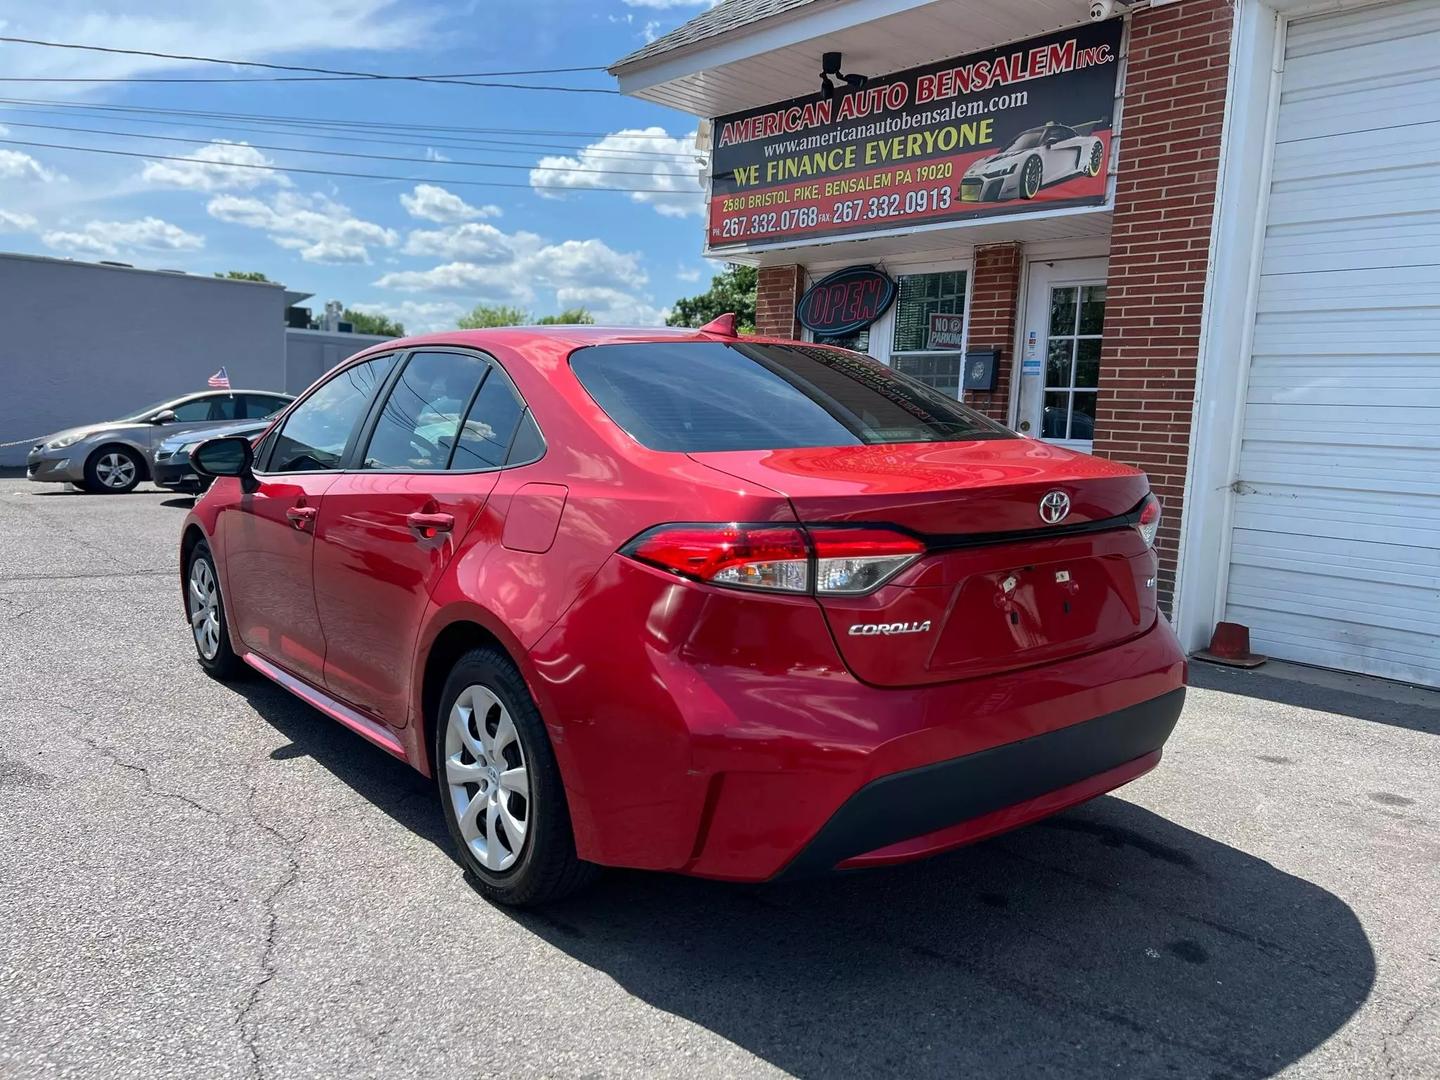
(694, 396)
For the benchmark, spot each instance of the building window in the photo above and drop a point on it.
(855, 341)
(1072, 363)
(923, 295)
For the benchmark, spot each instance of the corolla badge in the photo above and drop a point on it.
(1054, 507)
(873, 628)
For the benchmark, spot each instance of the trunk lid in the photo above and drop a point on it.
(999, 587)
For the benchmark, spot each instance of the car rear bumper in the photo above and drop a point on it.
(724, 737)
(935, 807)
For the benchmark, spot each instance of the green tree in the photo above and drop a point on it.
(576, 316)
(485, 316)
(733, 289)
(367, 323)
(243, 275)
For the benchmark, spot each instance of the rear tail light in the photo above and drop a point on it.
(1149, 521)
(847, 560)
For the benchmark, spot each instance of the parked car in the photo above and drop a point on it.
(677, 600)
(113, 456)
(172, 469)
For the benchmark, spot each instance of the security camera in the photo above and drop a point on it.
(1100, 10)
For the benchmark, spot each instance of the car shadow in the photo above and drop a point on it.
(181, 502)
(1108, 941)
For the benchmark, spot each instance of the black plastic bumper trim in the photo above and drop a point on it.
(908, 804)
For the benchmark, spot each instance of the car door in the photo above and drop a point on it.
(268, 543)
(389, 527)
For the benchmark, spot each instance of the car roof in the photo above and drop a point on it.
(578, 336)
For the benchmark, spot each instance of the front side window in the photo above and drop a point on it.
(259, 406)
(316, 433)
(192, 412)
(417, 427)
(698, 396)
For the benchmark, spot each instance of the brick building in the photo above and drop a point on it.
(1225, 274)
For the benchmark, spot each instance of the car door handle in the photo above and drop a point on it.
(300, 516)
(427, 525)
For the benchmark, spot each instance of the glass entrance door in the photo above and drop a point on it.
(1060, 366)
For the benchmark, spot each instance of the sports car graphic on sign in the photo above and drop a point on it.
(1036, 158)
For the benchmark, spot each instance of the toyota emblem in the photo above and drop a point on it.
(1054, 507)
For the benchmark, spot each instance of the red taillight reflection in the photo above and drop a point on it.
(753, 556)
(1149, 522)
(848, 560)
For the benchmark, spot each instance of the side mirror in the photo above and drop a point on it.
(164, 416)
(230, 455)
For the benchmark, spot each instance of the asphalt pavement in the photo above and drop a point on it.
(207, 881)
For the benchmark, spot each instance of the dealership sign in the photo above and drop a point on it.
(845, 301)
(1013, 130)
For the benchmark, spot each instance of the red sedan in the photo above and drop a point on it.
(686, 601)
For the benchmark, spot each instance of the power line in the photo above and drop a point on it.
(289, 67)
(327, 153)
(330, 74)
(323, 172)
(494, 146)
(322, 121)
(129, 79)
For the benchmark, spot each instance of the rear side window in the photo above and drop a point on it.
(697, 396)
(417, 427)
(490, 424)
(317, 431)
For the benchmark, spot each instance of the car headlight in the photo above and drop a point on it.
(62, 442)
(1004, 170)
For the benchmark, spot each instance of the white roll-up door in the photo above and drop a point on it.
(1335, 549)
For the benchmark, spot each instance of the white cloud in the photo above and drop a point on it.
(213, 168)
(611, 307)
(14, 221)
(110, 238)
(419, 316)
(17, 166)
(431, 202)
(586, 263)
(688, 274)
(484, 284)
(474, 241)
(651, 30)
(319, 228)
(617, 161)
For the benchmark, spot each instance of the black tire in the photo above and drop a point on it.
(1095, 160)
(1032, 177)
(546, 867)
(224, 665)
(100, 463)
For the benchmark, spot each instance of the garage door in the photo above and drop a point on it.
(1335, 553)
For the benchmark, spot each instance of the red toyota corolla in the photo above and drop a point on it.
(686, 601)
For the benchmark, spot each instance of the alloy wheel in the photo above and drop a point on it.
(1097, 155)
(115, 470)
(205, 609)
(487, 778)
(1031, 177)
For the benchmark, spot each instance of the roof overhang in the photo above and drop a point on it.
(778, 57)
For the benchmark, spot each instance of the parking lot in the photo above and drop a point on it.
(197, 880)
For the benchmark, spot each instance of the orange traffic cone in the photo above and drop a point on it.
(1230, 645)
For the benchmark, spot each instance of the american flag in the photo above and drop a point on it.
(220, 380)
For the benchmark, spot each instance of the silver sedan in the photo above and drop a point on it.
(113, 456)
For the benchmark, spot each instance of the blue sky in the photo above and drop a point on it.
(422, 253)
